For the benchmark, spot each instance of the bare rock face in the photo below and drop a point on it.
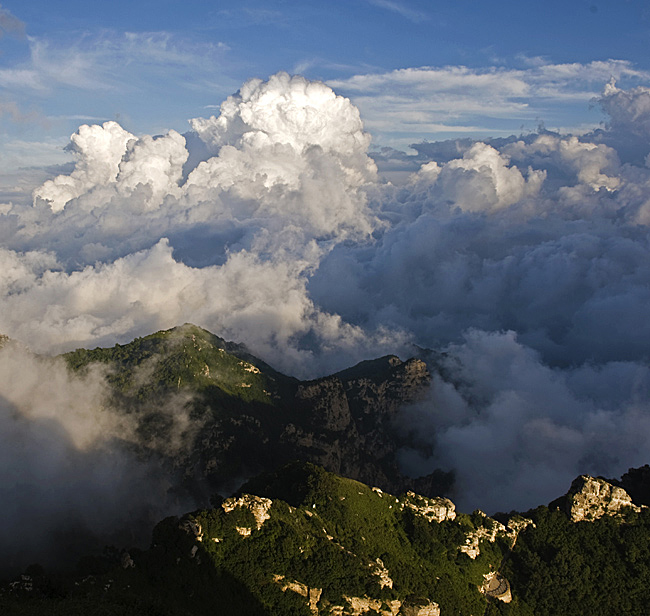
(436, 509)
(346, 422)
(258, 506)
(426, 609)
(590, 498)
(325, 403)
(496, 587)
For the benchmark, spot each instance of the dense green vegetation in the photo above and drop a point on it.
(331, 533)
(179, 358)
(599, 567)
(422, 557)
(342, 539)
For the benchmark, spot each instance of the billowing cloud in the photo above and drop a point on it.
(517, 432)
(99, 151)
(256, 196)
(280, 143)
(269, 224)
(627, 108)
(480, 180)
(628, 126)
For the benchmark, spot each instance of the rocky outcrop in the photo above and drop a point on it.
(425, 608)
(433, 509)
(257, 505)
(357, 606)
(590, 498)
(516, 525)
(312, 595)
(383, 575)
(496, 587)
(490, 530)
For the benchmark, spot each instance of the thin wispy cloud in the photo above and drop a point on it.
(109, 60)
(401, 9)
(242, 17)
(453, 98)
(10, 24)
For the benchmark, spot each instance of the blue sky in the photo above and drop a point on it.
(417, 70)
(527, 260)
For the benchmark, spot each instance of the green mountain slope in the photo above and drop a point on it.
(302, 541)
(234, 416)
(184, 357)
(335, 546)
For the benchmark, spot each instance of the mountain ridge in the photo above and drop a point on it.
(322, 532)
(344, 421)
(303, 541)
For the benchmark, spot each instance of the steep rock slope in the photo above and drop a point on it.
(232, 416)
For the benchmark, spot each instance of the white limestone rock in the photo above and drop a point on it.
(257, 505)
(590, 499)
(433, 509)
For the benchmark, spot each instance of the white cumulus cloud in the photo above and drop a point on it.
(269, 224)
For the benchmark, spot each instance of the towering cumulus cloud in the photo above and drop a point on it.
(294, 151)
(222, 226)
(526, 260)
(99, 151)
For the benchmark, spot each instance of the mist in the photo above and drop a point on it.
(516, 432)
(272, 223)
(73, 474)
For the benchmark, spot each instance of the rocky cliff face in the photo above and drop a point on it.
(346, 422)
(245, 418)
(590, 498)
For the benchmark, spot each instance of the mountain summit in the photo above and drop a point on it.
(243, 417)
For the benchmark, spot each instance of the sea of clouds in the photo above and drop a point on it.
(525, 261)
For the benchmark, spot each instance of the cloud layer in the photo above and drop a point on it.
(526, 258)
(69, 474)
(517, 432)
(430, 102)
